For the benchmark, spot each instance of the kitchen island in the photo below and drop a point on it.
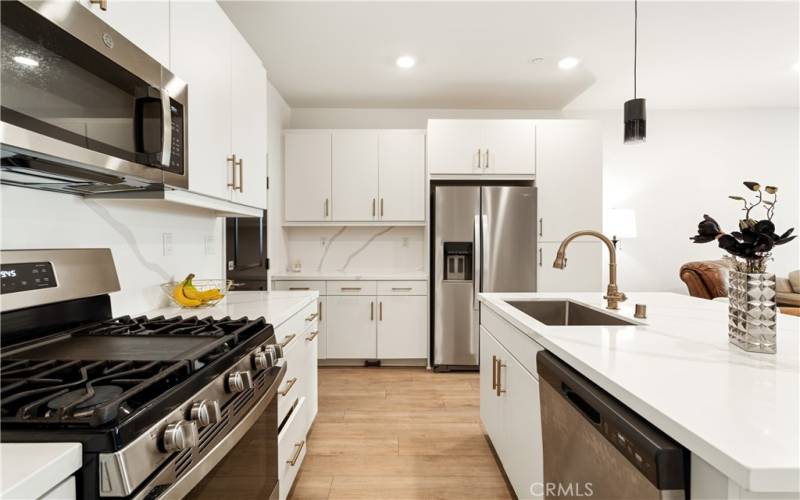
(736, 412)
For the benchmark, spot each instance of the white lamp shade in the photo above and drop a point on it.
(622, 223)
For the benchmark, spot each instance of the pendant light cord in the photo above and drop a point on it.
(635, 41)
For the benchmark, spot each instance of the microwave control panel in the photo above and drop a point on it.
(177, 148)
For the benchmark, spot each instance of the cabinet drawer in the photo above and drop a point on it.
(291, 388)
(295, 285)
(402, 288)
(298, 323)
(292, 447)
(519, 345)
(352, 288)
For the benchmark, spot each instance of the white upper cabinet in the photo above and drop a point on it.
(510, 147)
(248, 123)
(307, 161)
(355, 175)
(401, 175)
(145, 23)
(201, 55)
(455, 146)
(569, 176)
(505, 147)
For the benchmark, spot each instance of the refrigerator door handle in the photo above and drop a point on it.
(476, 266)
(485, 249)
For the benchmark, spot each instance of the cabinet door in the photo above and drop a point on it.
(584, 271)
(351, 327)
(402, 327)
(491, 409)
(510, 146)
(524, 461)
(322, 338)
(145, 23)
(307, 160)
(355, 175)
(569, 177)
(201, 55)
(455, 146)
(401, 175)
(248, 123)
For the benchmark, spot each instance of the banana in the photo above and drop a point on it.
(212, 294)
(189, 290)
(182, 299)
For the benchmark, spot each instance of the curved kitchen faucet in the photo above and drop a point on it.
(613, 295)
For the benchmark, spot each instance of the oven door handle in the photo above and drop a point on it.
(193, 476)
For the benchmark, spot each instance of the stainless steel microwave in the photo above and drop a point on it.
(83, 109)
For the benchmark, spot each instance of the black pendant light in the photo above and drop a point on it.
(635, 109)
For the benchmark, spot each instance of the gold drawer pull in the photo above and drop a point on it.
(401, 289)
(299, 447)
(312, 317)
(312, 336)
(288, 339)
(299, 288)
(350, 288)
(500, 366)
(289, 384)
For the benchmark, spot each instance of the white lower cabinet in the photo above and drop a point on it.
(509, 409)
(351, 326)
(322, 338)
(292, 447)
(402, 327)
(66, 490)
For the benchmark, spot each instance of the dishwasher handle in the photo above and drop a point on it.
(580, 404)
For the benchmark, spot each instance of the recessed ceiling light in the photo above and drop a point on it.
(537, 60)
(568, 62)
(26, 61)
(405, 62)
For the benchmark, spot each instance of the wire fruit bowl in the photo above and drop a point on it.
(201, 286)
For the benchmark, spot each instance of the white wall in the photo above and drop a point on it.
(278, 116)
(133, 230)
(691, 162)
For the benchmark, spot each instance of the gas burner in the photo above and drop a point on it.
(84, 401)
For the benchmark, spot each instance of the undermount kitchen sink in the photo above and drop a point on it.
(566, 313)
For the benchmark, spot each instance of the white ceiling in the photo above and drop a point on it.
(477, 54)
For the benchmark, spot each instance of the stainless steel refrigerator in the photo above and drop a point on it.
(483, 240)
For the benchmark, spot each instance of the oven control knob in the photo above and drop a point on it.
(179, 436)
(239, 381)
(205, 412)
(261, 361)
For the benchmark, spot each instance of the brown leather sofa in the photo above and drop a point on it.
(708, 279)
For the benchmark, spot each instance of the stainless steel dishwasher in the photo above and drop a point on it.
(596, 447)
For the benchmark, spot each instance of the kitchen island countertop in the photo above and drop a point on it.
(738, 411)
(30, 470)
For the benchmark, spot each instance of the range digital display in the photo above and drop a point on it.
(26, 276)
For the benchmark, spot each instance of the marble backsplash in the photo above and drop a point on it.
(356, 250)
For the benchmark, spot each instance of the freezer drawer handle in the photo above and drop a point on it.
(581, 404)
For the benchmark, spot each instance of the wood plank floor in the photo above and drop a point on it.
(398, 433)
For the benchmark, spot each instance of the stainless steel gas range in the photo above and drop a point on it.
(164, 407)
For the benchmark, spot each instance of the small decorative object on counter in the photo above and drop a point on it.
(640, 312)
(752, 312)
(191, 293)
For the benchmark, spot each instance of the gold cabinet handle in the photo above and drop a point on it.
(232, 160)
(287, 340)
(289, 384)
(540, 257)
(295, 288)
(500, 366)
(381, 207)
(312, 336)
(494, 372)
(299, 449)
(380, 311)
(320, 310)
(350, 288)
(487, 159)
(371, 310)
(541, 225)
(312, 317)
(373, 207)
(401, 288)
(326, 207)
(240, 163)
(102, 3)
(480, 158)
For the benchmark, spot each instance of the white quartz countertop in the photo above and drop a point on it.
(330, 276)
(29, 470)
(738, 411)
(276, 306)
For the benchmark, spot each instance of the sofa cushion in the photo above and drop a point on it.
(794, 279)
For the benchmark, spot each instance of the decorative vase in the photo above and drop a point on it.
(752, 312)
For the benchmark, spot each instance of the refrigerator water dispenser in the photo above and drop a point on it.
(457, 261)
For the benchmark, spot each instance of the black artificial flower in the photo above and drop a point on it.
(752, 186)
(707, 230)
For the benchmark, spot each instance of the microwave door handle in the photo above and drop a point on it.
(166, 129)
